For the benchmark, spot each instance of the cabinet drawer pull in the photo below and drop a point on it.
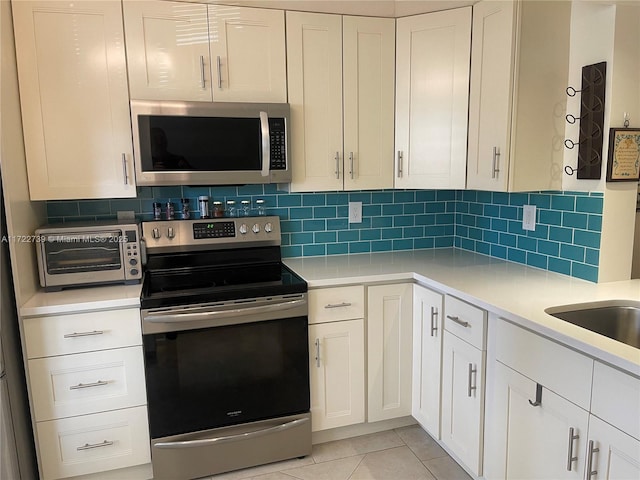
(471, 386)
(89, 446)
(202, 82)
(434, 321)
(570, 457)
(124, 169)
(317, 352)
(83, 334)
(338, 305)
(351, 164)
(399, 163)
(591, 450)
(538, 401)
(458, 321)
(337, 158)
(219, 69)
(496, 162)
(99, 383)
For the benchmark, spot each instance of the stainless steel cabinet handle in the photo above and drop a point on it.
(338, 305)
(496, 162)
(351, 164)
(399, 163)
(265, 138)
(82, 334)
(202, 82)
(434, 321)
(337, 157)
(590, 452)
(219, 69)
(317, 352)
(89, 446)
(471, 386)
(570, 457)
(80, 386)
(458, 321)
(124, 169)
(232, 438)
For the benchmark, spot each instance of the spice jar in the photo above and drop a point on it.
(203, 206)
(157, 211)
(185, 209)
(171, 213)
(218, 209)
(246, 207)
(231, 208)
(260, 209)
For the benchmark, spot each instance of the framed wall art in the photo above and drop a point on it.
(623, 164)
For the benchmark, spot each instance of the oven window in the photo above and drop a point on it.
(214, 377)
(208, 144)
(91, 252)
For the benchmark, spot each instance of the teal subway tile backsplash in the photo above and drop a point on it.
(566, 238)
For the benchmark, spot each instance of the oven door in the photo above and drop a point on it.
(234, 369)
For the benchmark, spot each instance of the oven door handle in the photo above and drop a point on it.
(171, 317)
(232, 438)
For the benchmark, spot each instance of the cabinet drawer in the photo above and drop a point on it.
(556, 367)
(616, 398)
(93, 443)
(85, 383)
(81, 332)
(333, 304)
(466, 321)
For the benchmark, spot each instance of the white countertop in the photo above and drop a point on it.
(513, 291)
(82, 300)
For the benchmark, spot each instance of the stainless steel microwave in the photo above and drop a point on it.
(83, 254)
(203, 143)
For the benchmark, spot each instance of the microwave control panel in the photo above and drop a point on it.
(278, 141)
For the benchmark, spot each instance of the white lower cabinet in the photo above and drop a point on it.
(538, 441)
(427, 354)
(611, 453)
(336, 374)
(389, 324)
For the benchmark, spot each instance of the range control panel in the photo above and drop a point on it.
(212, 233)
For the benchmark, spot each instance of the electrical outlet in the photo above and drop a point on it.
(355, 212)
(529, 217)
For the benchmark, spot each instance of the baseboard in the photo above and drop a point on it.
(349, 431)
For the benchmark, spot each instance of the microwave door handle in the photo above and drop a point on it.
(266, 143)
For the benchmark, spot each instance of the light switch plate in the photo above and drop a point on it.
(355, 212)
(529, 217)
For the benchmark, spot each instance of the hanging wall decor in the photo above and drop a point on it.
(623, 164)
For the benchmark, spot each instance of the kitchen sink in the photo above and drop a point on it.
(616, 319)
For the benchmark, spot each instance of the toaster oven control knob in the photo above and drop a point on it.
(268, 227)
(243, 228)
(133, 271)
(133, 261)
(155, 233)
(256, 228)
(171, 232)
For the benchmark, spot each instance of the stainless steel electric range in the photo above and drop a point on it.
(224, 326)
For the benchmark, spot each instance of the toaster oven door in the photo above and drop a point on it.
(82, 258)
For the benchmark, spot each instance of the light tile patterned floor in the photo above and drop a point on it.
(406, 453)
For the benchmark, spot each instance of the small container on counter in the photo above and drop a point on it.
(260, 208)
(218, 209)
(231, 208)
(203, 206)
(186, 214)
(157, 211)
(171, 212)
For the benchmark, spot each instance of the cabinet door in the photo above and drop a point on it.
(247, 54)
(75, 99)
(490, 95)
(167, 50)
(533, 442)
(336, 374)
(314, 73)
(427, 354)
(618, 455)
(389, 324)
(368, 66)
(462, 400)
(432, 93)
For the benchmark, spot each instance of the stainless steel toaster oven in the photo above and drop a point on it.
(83, 254)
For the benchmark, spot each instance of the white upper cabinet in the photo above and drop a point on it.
(519, 73)
(432, 94)
(326, 54)
(75, 99)
(167, 50)
(248, 61)
(197, 52)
